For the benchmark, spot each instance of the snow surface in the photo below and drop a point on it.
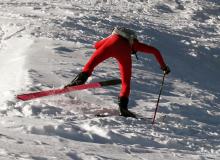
(44, 44)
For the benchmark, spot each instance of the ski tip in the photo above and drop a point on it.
(21, 97)
(25, 97)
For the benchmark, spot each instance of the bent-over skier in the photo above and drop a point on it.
(119, 45)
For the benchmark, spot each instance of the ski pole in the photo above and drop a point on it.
(158, 100)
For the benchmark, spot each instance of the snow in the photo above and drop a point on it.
(44, 44)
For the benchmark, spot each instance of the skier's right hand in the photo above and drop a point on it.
(166, 69)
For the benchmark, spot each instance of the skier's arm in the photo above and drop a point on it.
(141, 47)
(100, 43)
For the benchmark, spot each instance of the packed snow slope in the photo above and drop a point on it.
(44, 44)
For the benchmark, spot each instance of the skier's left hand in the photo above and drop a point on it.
(166, 70)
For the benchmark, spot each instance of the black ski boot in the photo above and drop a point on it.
(123, 107)
(81, 78)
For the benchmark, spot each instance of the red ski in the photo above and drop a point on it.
(34, 95)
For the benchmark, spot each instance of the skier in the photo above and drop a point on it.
(119, 45)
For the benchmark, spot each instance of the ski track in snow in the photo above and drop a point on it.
(44, 44)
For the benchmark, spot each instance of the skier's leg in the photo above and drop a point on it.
(125, 72)
(125, 67)
(97, 57)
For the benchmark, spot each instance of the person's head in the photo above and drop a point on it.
(129, 34)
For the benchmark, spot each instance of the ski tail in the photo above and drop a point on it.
(110, 82)
(33, 95)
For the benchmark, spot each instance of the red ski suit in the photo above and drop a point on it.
(119, 48)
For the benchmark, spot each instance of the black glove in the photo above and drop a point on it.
(166, 70)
